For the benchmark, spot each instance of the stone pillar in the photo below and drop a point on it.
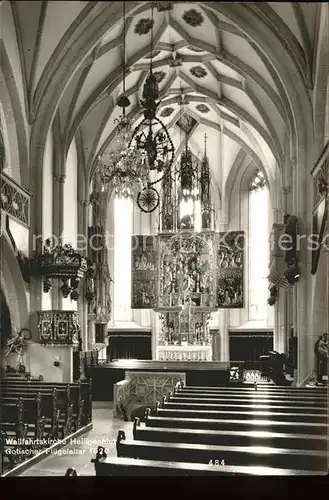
(155, 330)
(58, 219)
(223, 344)
(216, 344)
(302, 208)
(83, 214)
(280, 333)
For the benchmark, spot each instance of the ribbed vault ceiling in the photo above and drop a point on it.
(207, 70)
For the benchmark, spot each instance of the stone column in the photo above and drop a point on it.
(302, 319)
(58, 219)
(83, 214)
(223, 344)
(216, 340)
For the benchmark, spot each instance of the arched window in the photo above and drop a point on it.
(258, 247)
(123, 225)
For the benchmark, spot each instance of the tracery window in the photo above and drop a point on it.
(258, 247)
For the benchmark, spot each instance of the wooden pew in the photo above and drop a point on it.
(252, 388)
(235, 424)
(12, 419)
(32, 413)
(64, 403)
(230, 438)
(236, 406)
(79, 395)
(253, 395)
(243, 415)
(231, 455)
(281, 400)
(115, 466)
(54, 425)
(64, 399)
(13, 432)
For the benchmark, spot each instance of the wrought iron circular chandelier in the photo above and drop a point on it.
(135, 154)
(152, 137)
(124, 166)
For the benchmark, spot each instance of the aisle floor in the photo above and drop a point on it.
(78, 453)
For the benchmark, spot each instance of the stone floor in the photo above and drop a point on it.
(78, 453)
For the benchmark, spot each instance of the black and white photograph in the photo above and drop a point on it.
(164, 242)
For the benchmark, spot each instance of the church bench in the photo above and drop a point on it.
(10, 455)
(234, 424)
(54, 423)
(12, 418)
(255, 397)
(249, 399)
(80, 395)
(64, 400)
(242, 415)
(230, 438)
(13, 430)
(251, 388)
(232, 455)
(32, 414)
(244, 407)
(115, 466)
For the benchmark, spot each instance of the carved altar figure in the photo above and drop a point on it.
(96, 202)
(168, 278)
(194, 277)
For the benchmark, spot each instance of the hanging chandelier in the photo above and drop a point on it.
(124, 166)
(152, 138)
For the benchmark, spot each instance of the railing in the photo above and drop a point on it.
(141, 388)
(15, 200)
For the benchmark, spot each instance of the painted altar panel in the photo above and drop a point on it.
(145, 271)
(187, 270)
(230, 270)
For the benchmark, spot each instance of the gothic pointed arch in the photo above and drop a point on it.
(12, 284)
(13, 122)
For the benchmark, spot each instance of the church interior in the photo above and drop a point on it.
(164, 238)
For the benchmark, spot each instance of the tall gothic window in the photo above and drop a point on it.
(258, 247)
(191, 208)
(123, 225)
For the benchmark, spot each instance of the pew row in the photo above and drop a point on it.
(35, 415)
(242, 415)
(231, 455)
(316, 403)
(254, 395)
(116, 466)
(73, 400)
(55, 425)
(236, 424)
(251, 388)
(231, 438)
(31, 413)
(236, 406)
